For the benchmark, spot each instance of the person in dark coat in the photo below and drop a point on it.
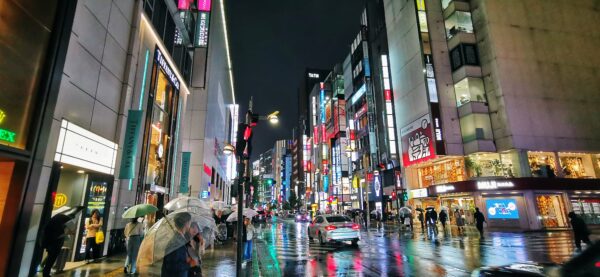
(479, 220)
(580, 230)
(53, 240)
(422, 219)
(443, 217)
(175, 264)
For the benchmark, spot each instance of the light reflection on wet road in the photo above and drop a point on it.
(284, 249)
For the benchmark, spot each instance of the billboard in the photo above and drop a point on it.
(417, 141)
(505, 208)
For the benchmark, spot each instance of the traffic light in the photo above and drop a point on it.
(393, 195)
(405, 195)
(330, 199)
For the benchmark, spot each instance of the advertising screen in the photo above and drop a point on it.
(417, 141)
(502, 208)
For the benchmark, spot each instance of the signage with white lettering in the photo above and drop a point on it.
(164, 65)
(202, 29)
(494, 184)
(80, 147)
(418, 193)
(444, 188)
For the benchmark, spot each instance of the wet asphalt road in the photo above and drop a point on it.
(283, 249)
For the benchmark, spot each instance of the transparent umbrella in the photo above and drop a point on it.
(247, 212)
(405, 210)
(186, 201)
(218, 205)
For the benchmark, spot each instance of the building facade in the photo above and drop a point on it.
(106, 129)
(477, 85)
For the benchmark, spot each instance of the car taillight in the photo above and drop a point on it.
(355, 226)
(330, 228)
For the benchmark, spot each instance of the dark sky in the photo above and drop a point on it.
(273, 41)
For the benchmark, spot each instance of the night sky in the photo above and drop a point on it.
(272, 43)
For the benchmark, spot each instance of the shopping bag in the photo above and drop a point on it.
(99, 237)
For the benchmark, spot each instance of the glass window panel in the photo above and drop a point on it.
(458, 22)
(475, 127)
(391, 134)
(445, 3)
(469, 89)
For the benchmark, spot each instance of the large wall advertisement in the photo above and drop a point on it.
(505, 208)
(417, 141)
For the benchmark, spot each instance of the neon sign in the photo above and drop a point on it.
(2, 116)
(160, 60)
(7, 135)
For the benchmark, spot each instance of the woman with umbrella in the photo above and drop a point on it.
(134, 231)
(175, 263)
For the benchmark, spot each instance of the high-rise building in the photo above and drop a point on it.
(492, 111)
(96, 113)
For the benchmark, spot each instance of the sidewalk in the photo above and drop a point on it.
(219, 261)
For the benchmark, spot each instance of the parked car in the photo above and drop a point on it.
(327, 228)
(302, 217)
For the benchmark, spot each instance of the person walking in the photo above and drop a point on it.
(479, 220)
(248, 235)
(175, 264)
(422, 220)
(53, 240)
(92, 226)
(431, 219)
(443, 217)
(460, 221)
(580, 230)
(134, 231)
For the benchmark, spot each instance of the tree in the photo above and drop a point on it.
(293, 200)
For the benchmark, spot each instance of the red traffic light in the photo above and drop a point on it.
(330, 199)
(393, 195)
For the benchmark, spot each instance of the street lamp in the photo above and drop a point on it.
(228, 149)
(243, 168)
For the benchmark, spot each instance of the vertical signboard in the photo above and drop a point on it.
(417, 141)
(204, 5)
(202, 24)
(130, 145)
(185, 172)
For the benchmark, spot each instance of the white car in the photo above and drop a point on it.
(328, 228)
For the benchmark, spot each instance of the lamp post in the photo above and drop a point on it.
(243, 157)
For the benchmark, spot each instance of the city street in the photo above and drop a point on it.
(284, 249)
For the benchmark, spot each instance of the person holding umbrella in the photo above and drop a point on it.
(134, 232)
(443, 216)
(248, 232)
(55, 232)
(175, 264)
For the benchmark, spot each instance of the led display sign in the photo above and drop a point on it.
(204, 5)
(7, 135)
(358, 94)
(417, 141)
(502, 208)
(202, 29)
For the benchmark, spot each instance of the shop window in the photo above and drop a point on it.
(542, 164)
(442, 172)
(463, 54)
(487, 165)
(458, 22)
(551, 211)
(587, 208)
(476, 127)
(512, 164)
(468, 90)
(575, 165)
(161, 111)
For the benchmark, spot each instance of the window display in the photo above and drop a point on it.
(576, 165)
(542, 164)
(489, 165)
(587, 208)
(458, 22)
(160, 129)
(442, 172)
(551, 211)
(468, 90)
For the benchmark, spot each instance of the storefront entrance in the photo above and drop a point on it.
(551, 210)
(76, 186)
(464, 204)
(587, 208)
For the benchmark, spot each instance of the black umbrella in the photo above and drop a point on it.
(419, 209)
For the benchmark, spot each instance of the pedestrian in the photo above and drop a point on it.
(92, 226)
(134, 231)
(479, 220)
(175, 263)
(195, 248)
(422, 220)
(55, 233)
(402, 225)
(431, 219)
(460, 221)
(443, 217)
(248, 236)
(580, 230)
